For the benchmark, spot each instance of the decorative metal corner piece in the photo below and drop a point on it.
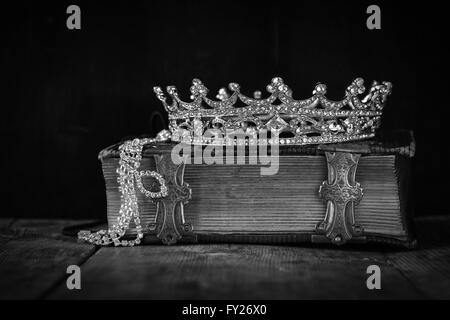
(342, 193)
(170, 225)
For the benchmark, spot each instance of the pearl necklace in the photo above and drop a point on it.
(129, 176)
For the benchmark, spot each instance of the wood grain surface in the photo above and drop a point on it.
(34, 257)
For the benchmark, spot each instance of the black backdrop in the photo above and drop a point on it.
(69, 93)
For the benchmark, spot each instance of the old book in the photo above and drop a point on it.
(235, 203)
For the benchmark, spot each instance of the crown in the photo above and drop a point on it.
(277, 119)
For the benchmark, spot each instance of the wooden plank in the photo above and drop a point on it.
(31, 267)
(427, 267)
(234, 272)
(35, 257)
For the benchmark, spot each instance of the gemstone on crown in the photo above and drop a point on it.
(314, 120)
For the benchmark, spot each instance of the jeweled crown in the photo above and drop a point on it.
(289, 121)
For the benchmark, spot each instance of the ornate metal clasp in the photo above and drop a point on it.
(341, 193)
(170, 224)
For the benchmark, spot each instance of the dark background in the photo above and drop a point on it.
(69, 93)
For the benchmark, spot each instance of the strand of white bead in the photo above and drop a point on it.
(130, 158)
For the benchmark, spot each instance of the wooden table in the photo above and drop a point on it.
(34, 257)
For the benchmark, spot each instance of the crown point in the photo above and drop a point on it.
(277, 81)
(171, 89)
(159, 93)
(222, 95)
(257, 94)
(234, 86)
(320, 89)
(198, 89)
(357, 87)
(359, 81)
(388, 86)
(157, 90)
